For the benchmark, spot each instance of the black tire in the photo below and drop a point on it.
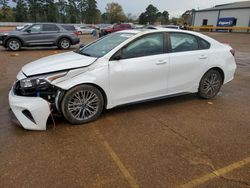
(14, 44)
(64, 43)
(210, 84)
(79, 101)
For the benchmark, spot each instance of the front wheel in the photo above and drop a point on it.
(64, 43)
(14, 44)
(82, 104)
(210, 84)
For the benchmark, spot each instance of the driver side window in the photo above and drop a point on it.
(151, 44)
(35, 28)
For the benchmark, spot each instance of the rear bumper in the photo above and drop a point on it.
(75, 41)
(31, 112)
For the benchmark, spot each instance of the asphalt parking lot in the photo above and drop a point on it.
(178, 142)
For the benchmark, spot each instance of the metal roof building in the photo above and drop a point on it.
(231, 14)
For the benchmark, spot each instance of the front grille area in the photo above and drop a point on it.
(47, 91)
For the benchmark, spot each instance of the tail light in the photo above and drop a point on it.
(76, 33)
(232, 51)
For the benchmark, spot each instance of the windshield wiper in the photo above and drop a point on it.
(86, 54)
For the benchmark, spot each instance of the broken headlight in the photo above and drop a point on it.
(40, 81)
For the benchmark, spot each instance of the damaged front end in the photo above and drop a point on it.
(33, 99)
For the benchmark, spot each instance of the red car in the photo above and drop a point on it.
(116, 27)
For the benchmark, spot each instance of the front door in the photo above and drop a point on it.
(142, 71)
(32, 35)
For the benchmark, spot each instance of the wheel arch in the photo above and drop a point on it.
(13, 37)
(104, 95)
(219, 70)
(64, 36)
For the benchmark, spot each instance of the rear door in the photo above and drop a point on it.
(189, 56)
(49, 33)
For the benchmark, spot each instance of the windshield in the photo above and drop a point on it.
(104, 45)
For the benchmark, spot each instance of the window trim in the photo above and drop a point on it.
(165, 44)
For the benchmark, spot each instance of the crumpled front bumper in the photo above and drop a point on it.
(31, 112)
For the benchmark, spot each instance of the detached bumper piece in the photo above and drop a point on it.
(31, 112)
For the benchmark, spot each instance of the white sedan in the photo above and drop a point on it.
(123, 67)
(84, 30)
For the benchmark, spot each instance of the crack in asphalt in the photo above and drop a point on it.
(210, 164)
(233, 180)
(200, 150)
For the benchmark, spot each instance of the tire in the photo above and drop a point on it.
(14, 44)
(82, 104)
(210, 84)
(64, 43)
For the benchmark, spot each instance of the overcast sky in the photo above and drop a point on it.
(174, 7)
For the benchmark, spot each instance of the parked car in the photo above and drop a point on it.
(171, 26)
(116, 27)
(18, 28)
(39, 35)
(84, 30)
(123, 67)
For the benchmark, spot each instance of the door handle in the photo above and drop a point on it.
(161, 62)
(203, 57)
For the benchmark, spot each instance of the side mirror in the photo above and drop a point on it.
(82, 45)
(28, 31)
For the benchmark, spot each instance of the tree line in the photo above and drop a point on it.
(80, 11)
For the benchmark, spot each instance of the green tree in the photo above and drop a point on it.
(49, 11)
(35, 10)
(91, 11)
(104, 18)
(82, 5)
(4, 10)
(72, 11)
(21, 12)
(151, 14)
(143, 18)
(163, 17)
(115, 13)
(61, 11)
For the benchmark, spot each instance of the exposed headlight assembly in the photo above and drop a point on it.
(40, 81)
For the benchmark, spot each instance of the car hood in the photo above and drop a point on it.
(15, 32)
(58, 62)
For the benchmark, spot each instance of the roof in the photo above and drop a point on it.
(235, 5)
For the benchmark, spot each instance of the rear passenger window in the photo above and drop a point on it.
(69, 27)
(203, 44)
(181, 42)
(50, 27)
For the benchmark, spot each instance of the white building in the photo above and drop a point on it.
(231, 14)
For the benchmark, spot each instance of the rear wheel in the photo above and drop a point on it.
(82, 104)
(210, 84)
(14, 44)
(64, 44)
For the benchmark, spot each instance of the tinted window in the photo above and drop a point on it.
(69, 27)
(35, 28)
(180, 42)
(147, 45)
(50, 27)
(203, 44)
